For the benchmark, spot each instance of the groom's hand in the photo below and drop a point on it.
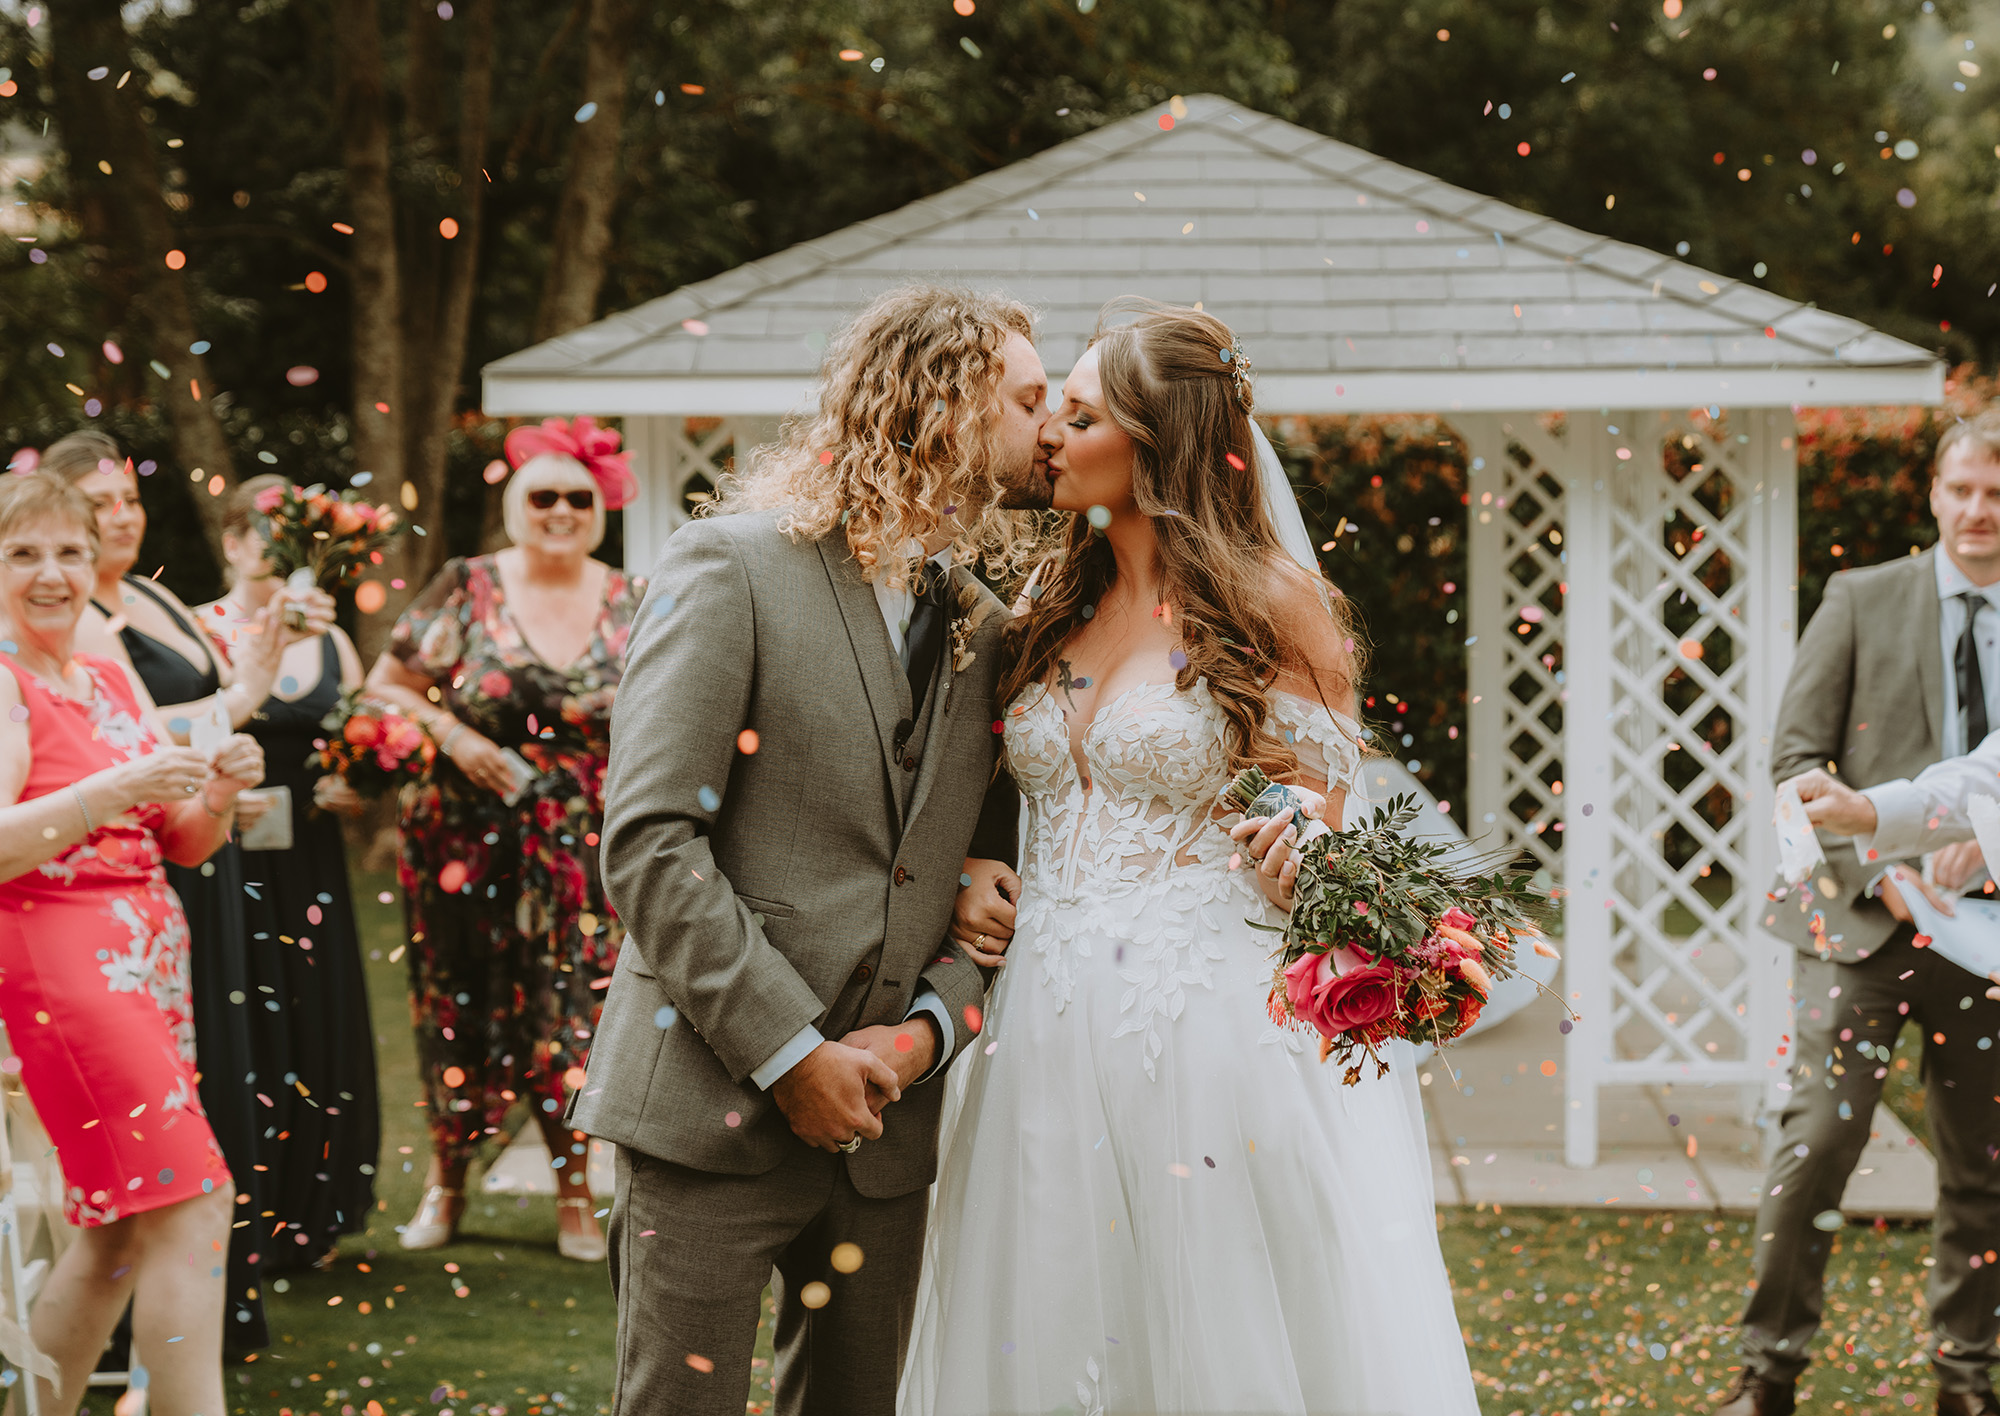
(825, 1097)
(908, 1049)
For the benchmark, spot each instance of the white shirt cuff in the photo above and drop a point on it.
(787, 1057)
(1901, 814)
(927, 1001)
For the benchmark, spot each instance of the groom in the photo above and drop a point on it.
(802, 742)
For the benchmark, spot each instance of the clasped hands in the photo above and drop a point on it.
(837, 1093)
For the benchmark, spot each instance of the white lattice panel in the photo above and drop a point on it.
(1634, 718)
(673, 458)
(1515, 648)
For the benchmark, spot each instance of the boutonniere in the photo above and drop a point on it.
(971, 614)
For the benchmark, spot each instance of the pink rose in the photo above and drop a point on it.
(1335, 1001)
(495, 684)
(347, 519)
(270, 499)
(400, 736)
(1359, 999)
(1456, 918)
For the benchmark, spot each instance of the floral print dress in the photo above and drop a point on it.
(511, 940)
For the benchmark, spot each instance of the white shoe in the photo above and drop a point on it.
(429, 1229)
(584, 1248)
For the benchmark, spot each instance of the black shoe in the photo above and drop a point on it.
(1968, 1403)
(1752, 1395)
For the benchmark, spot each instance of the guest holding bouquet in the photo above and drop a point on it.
(313, 1046)
(143, 624)
(511, 662)
(94, 797)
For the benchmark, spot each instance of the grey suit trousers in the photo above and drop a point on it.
(691, 1251)
(1835, 1085)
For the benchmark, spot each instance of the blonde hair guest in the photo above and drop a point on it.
(94, 798)
(512, 661)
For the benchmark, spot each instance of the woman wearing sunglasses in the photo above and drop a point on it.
(512, 660)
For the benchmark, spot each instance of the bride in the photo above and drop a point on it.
(1153, 1199)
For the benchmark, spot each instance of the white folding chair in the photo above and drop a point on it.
(32, 1231)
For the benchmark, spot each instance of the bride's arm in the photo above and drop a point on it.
(1319, 671)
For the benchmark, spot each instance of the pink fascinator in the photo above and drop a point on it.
(596, 448)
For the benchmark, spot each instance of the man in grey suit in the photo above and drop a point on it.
(1897, 670)
(804, 736)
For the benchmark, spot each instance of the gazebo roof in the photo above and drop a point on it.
(1356, 284)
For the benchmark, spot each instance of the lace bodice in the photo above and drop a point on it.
(1129, 851)
(1155, 764)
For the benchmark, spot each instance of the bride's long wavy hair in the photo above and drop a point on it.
(899, 444)
(1175, 382)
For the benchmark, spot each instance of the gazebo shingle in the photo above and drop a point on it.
(1357, 283)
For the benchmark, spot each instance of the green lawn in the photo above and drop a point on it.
(1563, 1310)
(532, 1333)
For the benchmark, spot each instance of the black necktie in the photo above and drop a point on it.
(924, 643)
(1971, 687)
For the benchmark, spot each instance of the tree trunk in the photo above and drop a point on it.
(361, 104)
(582, 244)
(432, 381)
(124, 217)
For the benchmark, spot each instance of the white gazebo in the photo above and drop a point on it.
(1631, 624)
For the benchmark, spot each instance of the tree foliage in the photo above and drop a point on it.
(742, 130)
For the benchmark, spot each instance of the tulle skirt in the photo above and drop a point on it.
(1154, 1200)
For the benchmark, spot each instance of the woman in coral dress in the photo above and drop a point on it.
(94, 797)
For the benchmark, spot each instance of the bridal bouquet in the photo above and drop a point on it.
(373, 747)
(1386, 940)
(323, 538)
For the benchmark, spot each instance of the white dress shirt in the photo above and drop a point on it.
(897, 604)
(1914, 816)
(1951, 583)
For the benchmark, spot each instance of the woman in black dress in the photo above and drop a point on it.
(146, 624)
(309, 1021)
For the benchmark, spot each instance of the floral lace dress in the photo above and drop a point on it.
(1153, 1199)
(511, 939)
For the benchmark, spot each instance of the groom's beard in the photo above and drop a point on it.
(1029, 489)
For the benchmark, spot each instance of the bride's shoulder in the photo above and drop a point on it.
(1320, 654)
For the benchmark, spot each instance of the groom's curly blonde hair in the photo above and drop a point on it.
(900, 441)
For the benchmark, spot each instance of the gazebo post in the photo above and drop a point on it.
(1590, 847)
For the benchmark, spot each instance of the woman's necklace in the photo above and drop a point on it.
(58, 682)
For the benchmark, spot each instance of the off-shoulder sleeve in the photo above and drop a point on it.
(1328, 743)
(429, 637)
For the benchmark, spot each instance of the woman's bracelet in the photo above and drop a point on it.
(445, 746)
(89, 826)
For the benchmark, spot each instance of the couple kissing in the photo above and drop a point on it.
(1148, 1197)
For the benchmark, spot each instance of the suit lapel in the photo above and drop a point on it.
(881, 675)
(1922, 620)
(938, 706)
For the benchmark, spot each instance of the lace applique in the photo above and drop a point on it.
(1131, 860)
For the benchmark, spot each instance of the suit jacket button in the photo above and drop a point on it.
(909, 764)
(902, 876)
(863, 974)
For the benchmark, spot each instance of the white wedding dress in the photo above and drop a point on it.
(1152, 1198)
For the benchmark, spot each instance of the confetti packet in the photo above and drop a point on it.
(1798, 844)
(211, 730)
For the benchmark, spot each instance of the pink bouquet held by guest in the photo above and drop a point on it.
(371, 746)
(1386, 939)
(323, 538)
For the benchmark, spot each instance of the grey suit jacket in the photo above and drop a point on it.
(1865, 697)
(767, 889)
